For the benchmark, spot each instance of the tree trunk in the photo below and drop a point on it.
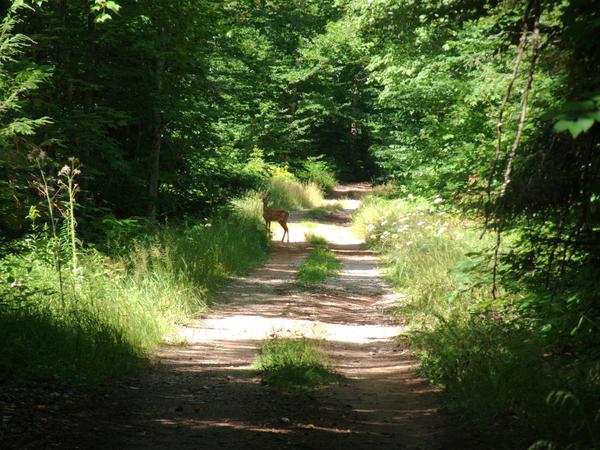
(156, 133)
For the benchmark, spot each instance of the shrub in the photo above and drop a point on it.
(316, 170)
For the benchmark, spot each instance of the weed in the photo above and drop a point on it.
(294, 363)
(493, 360)
(319, 265)
(324, 211)
(316, 240)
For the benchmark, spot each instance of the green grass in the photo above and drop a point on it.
(316, 240)
(294, 364)
(117, 310)
(324, 211)
(319, 265)
(288, 193)
(421, 246)
(493, 360)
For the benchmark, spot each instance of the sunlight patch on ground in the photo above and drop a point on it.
(193, 424)
(336, 234)
(348, 204)
(253, 327)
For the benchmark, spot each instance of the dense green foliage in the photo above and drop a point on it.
(294, 363)
(116, 309)
(499, 362)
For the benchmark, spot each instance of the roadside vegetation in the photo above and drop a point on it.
(85, 313)
(294, 363)
(502, 360)
(114, 307)
(289, 193)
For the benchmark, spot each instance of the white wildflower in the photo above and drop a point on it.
(64, 171)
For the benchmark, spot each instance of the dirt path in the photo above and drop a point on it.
(204, 394)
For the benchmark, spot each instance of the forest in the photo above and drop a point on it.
(136, 138)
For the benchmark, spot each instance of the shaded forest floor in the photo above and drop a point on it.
(204, 393)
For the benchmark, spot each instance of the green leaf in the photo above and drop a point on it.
(575, 127)
(102, 17)
(113, 6)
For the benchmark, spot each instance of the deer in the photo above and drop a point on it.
(280, 215)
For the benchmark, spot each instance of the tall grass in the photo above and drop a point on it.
(288, 193)
(421, 246)
(117, 309)
(495, 362)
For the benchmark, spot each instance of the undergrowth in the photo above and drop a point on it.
(319, 171)
(497, 358)
(115, 310)
(289, 193)
(289, 363)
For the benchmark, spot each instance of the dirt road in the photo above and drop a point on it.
(205, 394)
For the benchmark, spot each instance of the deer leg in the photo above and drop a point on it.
(285, 231)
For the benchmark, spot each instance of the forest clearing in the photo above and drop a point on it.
(300, 224)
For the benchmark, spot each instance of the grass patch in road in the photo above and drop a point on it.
(316, 240)
(319, 265)
(324, 211)
(294, 363)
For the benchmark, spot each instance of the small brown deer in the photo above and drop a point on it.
(280, 215)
